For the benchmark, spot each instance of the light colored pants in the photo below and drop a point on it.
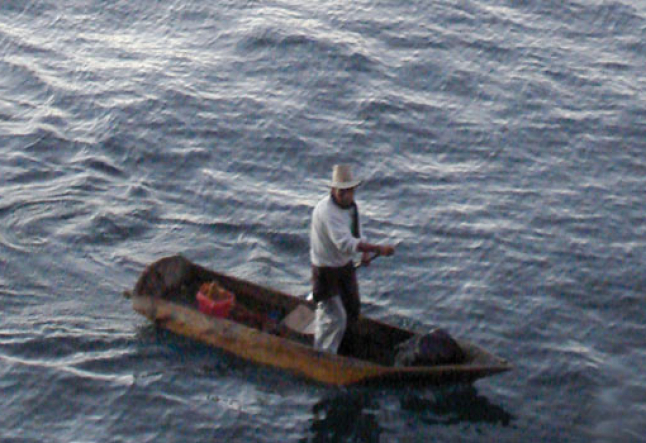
(331, 320)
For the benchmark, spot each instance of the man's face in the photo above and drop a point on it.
(344, 196)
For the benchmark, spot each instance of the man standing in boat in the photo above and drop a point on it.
(335, 237)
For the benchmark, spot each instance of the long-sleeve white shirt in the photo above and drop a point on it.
(331, 240)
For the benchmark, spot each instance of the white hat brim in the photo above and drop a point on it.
(345, 185)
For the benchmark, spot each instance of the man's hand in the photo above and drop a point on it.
(386, 250)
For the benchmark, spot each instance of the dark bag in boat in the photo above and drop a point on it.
(434, 348)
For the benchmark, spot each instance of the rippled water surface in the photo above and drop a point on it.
(503, 148)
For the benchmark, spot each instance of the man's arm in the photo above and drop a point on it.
(385, 250)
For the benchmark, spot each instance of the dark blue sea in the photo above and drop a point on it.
(503, 150)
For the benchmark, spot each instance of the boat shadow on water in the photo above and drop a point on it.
(365, 414)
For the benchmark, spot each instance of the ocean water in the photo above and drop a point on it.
(503, 148)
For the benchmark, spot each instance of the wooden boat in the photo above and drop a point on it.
(165, 293)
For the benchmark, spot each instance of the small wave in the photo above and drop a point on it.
(46, 143)
(91, 366)
(31, 223)
(376, 107)
(18, 11)
(55, 341)
(585, 18)
(262, 37)
(32, 86)
(23, 45)
(105, 226)
(397, 39)
(20, 168)
(211, 224)
(324, 48)
(613, 17)
(98, 163)
(636, 45)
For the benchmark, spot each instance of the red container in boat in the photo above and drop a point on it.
(214, 300)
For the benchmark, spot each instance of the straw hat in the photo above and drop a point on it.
(342, 178)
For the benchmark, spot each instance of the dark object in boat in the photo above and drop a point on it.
(434, 348)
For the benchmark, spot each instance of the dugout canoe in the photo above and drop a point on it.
(165, 294)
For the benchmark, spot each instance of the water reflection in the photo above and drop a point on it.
(454, 405)
(346, 416)
(364, 415)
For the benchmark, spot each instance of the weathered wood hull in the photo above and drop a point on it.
(298, 358)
